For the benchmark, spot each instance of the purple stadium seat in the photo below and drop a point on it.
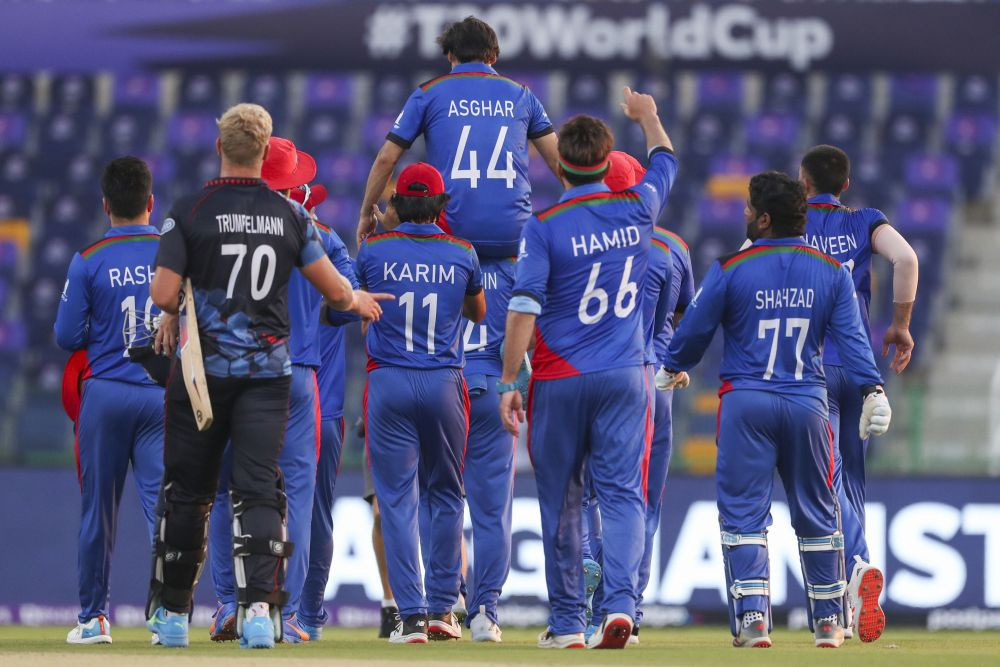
(785, 92)
(271, 92)
(971, 136)
(18, 181)
(13, 130)
(536, 83)
(721, 92)
(850, 94)
(903, 135)
(925, 223)
(201, 92)
(705, 136)
(722, 214)
(329, 91)
(376, 128)
(913, 94)
(138, 91)
(189, 132)
(841, 130)
(341, 214)
(127, 132)
(62, 134)
(10, 253)
(162, 167)
(924, 213)
(342, 172)
(587, 91)
(81, 173)
(72, 94)
(772, 133)
(70, 217)
(13, 336)
(324, 130)
(931, 174)
(975, 92)
(17, 92)
(389, 93)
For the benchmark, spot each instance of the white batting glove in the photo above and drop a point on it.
(875, 414)
(666, 380)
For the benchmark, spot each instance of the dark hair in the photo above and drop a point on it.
(827, 167)
(585, 141)
(126, 184)
(784, 198)
(470, 40)
(418, 209)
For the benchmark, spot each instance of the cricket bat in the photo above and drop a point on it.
(192, 364)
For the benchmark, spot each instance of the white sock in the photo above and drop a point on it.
(752, 617)
(388, 602)
(258, 609)
(173, 613)
(829, 619)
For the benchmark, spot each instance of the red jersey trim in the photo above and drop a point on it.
(546, 364)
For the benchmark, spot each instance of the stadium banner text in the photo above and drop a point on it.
(400, 36)
(938, 540)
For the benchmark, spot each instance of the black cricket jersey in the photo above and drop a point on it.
(238, 241)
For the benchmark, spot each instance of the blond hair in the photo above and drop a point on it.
(243, 132)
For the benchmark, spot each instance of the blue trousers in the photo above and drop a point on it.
(311, 610)
(601, 420)
(758, 432)
(489, 489)
(119, 424)
(659, 462)
(298, 465)
(416, 426)
(849, 453)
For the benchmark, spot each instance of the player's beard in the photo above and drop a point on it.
(753, 232)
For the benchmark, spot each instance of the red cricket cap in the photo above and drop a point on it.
(420, 180)
(317, 195)
(624, 171)
(285, 166)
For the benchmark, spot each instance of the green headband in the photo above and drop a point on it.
(592, 170)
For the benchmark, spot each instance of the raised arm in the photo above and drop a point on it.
(385, 162)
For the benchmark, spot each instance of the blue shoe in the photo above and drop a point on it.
(171, 629)
(591, 580)
(293, 632)
(258, 632)
(315, 632)
(223, 628)
(589, 632)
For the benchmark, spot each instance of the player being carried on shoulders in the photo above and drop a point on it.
(777, 302)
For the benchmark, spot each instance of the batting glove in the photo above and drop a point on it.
(875, 414)
(666, 380)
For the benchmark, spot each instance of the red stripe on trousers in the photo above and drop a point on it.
(531, 402)
(648, 438)
(468, 419)
(318, 414)
(364, 411)
(829, 474)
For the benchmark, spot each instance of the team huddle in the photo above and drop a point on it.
(224, 387)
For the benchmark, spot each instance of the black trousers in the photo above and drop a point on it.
(250, 413)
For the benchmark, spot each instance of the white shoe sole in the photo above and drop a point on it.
(97, 639)
(412, 638)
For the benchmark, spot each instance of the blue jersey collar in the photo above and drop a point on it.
(472, 67)
(788, 240)
(825, 198)
(131, 230)
(418, 229)
(581, 190)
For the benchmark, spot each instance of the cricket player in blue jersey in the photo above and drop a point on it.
(660, 298)
(286, 168)
(581, 275)
(416, 401)
(330, 378)
(477, 126)
(777, 302)
(104, 304)
(851, 236)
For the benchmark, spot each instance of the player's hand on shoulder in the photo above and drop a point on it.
(666, 380)
(366, 304)
(637, 106)
(165, 342)
(366, 225)
(875, 414)
(901, 338)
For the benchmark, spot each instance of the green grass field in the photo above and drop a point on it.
(676, 646)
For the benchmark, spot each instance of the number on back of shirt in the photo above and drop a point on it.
(478, 330)
(430, 302)
(263, 259)
(472, 174)
(594, 302)
(130, 328)
(773, 326)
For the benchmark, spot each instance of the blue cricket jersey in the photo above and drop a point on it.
(582, 269)
(657, 298)
(305, 301)
(430, 273)
(333, 361)
(483, 340)
(681, 288)
(846, 235)
(777, 302)
(476, 125)
(107, 292)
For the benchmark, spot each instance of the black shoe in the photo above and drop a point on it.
(390, 619)
(411, 630)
